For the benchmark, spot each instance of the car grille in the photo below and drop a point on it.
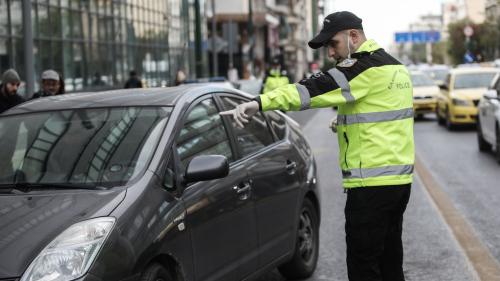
(476, 102)
(423, 98)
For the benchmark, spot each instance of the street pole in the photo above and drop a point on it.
(230, 45)
(28, 48)
(214, 33)
(197, 41)
(250, 30)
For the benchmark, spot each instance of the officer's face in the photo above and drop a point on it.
(337, 46)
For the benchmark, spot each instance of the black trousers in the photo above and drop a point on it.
(374, 224)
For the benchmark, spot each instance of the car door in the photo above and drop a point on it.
(487, 111)
(443, 98)
(272, 167)
(219, 213)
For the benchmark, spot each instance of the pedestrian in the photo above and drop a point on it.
(373, 92)
(8, 90)
(180, 77)
(133, 81)
(275, 77)
(50, 84)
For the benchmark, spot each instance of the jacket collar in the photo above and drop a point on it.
(368, 46)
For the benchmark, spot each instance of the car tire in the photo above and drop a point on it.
(482, 143)
(305, 257)
(440, 119)
(449, 125)
(156, 272)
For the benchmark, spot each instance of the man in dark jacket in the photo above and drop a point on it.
(133, 81)
(8, 90)
(50, 84)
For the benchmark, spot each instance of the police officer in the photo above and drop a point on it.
(373, 93)
(275, 77)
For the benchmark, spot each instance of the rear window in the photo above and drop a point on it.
(278, 124)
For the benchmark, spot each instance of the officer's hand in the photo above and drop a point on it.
(243, 113)
(333, 124)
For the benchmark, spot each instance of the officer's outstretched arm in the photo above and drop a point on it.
(320, 90)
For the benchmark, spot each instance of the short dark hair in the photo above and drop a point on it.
(132, 73)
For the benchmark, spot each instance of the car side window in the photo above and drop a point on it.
(255, 135)
(277, 123)
(203, 133)
(498, 84)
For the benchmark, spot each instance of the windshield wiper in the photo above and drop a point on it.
(28, 186)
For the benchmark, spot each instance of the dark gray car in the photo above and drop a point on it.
(153, 184)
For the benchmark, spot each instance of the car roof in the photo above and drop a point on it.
(168, 96)
(473, 70)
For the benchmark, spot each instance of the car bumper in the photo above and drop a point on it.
(424, 106)
(463, 114)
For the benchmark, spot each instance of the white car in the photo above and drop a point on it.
(488, 121)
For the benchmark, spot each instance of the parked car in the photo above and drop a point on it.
(153, 184)
(488, 121)
(425, 93)
(458, 100)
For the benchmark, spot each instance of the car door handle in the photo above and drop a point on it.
(291, 167)
(243, 187)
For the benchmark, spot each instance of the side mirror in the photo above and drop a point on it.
(443, 87)
(491, 94)
(206, 167)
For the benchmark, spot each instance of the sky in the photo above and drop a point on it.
(382, 18)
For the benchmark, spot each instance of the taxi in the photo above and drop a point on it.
(425, 92)
(460, 94)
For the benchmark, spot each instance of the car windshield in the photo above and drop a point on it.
(474, 80)
(438, 74)
(420, 80)
(99, 147)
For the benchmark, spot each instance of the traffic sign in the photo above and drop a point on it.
(417, 37)
(468, 31)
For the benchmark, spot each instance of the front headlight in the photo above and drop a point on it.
(460, 102)
(70, 254)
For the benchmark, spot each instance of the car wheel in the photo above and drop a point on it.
(305, 257)
(482, 143)
(439, 118)
(156, 272)
(449, 125)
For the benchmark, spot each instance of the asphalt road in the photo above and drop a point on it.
(432, 253)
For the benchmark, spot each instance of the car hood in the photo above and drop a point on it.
(30, 221)
(468, 94)
(425, 91)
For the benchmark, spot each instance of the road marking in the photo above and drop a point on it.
(485, 265)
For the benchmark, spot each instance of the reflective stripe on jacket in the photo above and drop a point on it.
(375, 115)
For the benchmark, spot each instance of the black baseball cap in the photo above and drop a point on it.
(334, 23)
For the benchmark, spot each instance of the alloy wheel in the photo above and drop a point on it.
(306, 236)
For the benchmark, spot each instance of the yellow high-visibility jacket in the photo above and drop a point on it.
(274, 80)
(375, 115)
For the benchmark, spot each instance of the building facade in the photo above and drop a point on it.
(94, 44)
